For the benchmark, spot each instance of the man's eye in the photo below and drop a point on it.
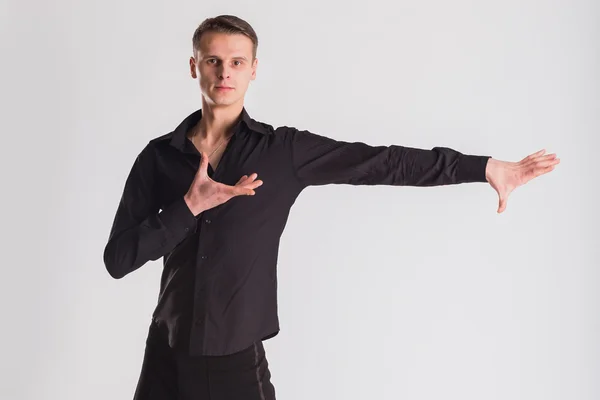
(238, 62)
(210, 60)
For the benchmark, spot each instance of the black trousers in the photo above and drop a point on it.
(169, 375)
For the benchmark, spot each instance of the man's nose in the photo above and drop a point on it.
(223, 72)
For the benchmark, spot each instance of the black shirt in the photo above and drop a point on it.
(218, 289)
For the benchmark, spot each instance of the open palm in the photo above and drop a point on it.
(205, 193)
(505, 176)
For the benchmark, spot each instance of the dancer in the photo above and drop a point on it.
(212, 198)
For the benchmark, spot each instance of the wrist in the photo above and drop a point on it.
(192, 204)
(490, 168)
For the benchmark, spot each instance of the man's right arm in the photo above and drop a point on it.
(140, 232)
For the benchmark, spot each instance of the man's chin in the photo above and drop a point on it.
(221, 101)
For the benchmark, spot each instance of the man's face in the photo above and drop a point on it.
(225, 67)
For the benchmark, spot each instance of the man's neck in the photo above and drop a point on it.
(216, 122)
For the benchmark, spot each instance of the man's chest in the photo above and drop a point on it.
(175, 172)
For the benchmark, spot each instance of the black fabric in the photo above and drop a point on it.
(218, 290)
(167, 374)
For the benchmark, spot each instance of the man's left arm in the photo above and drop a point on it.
(320, 160)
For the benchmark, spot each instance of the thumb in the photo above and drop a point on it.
(502, 203)
(203, 168)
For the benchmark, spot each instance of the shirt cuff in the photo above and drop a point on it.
(471, 168)
(178, 218)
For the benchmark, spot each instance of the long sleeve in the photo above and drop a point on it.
(319, 160)
(140, 232)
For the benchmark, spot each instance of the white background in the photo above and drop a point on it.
(384, 292)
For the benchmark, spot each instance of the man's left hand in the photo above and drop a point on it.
(505, 176)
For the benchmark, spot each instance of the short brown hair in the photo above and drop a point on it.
(229, 24)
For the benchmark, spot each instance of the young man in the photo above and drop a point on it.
(194, 197)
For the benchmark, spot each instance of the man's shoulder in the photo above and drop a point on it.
(260, 126)
(270, 129)
(159, 143)
(155, 146)
(162, 138)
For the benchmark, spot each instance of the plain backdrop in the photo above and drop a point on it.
(499, 307)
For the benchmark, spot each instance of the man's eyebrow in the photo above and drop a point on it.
(234, 58)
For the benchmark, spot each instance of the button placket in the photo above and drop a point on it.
(204, 256)
(201, 292)
(199, 320)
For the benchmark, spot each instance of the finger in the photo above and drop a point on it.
(541, 167)
(544, 158)
(248, 188)
(252, 177)
(545, 170)
(547, 163)
(242, 179)
(533, 155)
(254, 185)
(246, 179)
(538, 153)
(243, 191)
(233, 191)
(529, 161)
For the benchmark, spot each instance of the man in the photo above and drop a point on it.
(194, 197)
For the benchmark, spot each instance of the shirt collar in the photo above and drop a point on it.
(179, 139)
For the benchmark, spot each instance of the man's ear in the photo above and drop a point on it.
(193, 67)
(254, 67)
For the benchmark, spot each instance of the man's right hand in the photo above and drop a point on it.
(204, 193)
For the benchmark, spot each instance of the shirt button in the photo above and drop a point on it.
(187, 229)
(208, 221)
(203, 257)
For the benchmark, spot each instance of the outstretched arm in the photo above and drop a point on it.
(320, 160)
